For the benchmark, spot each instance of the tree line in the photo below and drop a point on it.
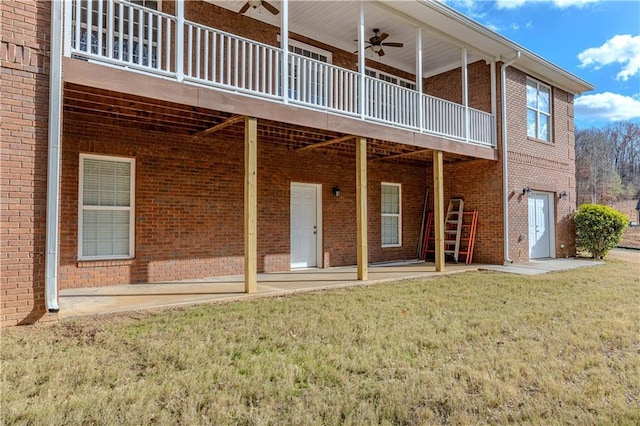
(608, 163)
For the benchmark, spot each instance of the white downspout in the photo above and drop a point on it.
(53, 172)
(505, 167)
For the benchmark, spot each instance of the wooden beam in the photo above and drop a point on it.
(220, 126)
(329, 142)
(402, 154)
(250, 205)
(438, 208)
(361, 208)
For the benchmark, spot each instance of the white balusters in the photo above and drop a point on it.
(123, 33)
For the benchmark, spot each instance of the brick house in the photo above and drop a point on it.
(156, 140)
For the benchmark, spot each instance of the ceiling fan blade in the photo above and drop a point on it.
(368, 47)
(393, 44)
(244, 8)
(381, 53)
(270, 7)
(382, 37)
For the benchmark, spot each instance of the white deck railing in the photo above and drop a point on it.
(319, 84)
(132, 36)
(390, 103)
(232, 62)
(123, 33)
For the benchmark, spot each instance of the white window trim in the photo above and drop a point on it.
(386, 74)
(131, 207)
(159, 2)
(538, 84)
(310, 48)
(398, 215)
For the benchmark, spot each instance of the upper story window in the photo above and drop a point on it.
(96, 7)
(390, 78)
(106, 207)
(538, 110)
(307, 78)
(308, 51)
(151, 4)
(391, 212)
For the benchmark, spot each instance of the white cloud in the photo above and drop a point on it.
(622, 49)
(607, 107)
(512, 4)
(509, 4)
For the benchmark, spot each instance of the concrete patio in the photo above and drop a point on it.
(133, 297)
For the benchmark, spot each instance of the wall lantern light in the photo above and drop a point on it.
(336, 191)
(526, 190)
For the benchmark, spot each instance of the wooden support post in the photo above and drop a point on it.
(438, 209)
(361, 207)
(250, 205)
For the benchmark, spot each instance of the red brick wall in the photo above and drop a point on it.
(542, 166)
(189, 205)
(448, 85)
(548, 167)
(479, 184)
(24, 88)
(189, 194)
(24, 84)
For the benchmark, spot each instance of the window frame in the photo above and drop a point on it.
(398, 215)
(143, 3)
(538, 112)
(130, 208)
(307, 51)
(390, 78)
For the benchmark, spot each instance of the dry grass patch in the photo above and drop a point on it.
(631, 237)
(476, 348)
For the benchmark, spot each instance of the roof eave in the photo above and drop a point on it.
(528, 62)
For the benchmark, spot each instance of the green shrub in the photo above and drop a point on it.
(598, 228)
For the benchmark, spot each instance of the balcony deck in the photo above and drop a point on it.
(134, 38)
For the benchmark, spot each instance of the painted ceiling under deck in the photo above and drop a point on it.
(445, 32)
(336, 23)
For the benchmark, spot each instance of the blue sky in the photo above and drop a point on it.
(596, 40)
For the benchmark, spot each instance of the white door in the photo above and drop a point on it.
(540, 225)
(304, 225)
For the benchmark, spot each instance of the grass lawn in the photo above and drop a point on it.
(474, 348)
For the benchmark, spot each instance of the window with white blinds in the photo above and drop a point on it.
(106, 207)
(391, 208)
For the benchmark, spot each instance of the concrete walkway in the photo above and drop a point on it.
(133, 297)
(536, 267)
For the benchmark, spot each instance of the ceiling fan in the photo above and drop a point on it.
(376, 42)
(255, 3)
